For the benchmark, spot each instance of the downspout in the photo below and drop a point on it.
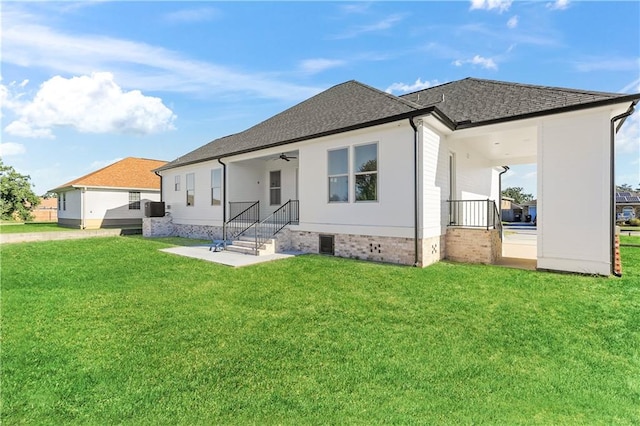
(415, 191)
(83, 204)
(160, 176)
(612, 186)
(224, 202)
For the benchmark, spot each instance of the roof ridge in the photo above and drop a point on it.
(102, 169)
(538, 86)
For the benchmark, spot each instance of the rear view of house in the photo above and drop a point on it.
(113, 196)
(412, 179)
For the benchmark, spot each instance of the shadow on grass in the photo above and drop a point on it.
(173, 241)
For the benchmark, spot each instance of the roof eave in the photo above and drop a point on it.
(619, 100)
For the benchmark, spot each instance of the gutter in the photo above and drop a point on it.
(612, 185)
(415, 191)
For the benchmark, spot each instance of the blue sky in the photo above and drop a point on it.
(85, 84)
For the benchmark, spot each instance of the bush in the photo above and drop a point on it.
(634, 222)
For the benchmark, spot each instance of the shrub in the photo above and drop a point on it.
(634, 222)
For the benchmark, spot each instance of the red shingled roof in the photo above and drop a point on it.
(130, 172)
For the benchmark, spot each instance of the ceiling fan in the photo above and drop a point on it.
(286, 157)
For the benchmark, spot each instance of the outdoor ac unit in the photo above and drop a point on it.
(154, 209)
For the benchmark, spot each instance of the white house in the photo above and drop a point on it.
(408, 179)
(113, 196)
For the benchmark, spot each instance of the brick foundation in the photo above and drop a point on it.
(365, 247)
(473, 245)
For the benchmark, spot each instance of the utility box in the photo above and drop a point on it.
(154, 209)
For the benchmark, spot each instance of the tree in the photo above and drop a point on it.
(517, 193)
(17, 198)
(625, 187)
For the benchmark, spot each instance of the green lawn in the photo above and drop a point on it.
(630, 239)
(112, 331)
(18, 227)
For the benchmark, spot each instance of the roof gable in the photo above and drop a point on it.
(130, 172)
(340, 107)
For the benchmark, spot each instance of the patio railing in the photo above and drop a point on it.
(474, 214)
(244, 214)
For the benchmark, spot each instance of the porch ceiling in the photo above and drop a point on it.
(502, 147)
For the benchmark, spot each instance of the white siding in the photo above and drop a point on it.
(573, 194)
(202, 212)
(435, 183)
(391, 215)
(73, 205)
(114, 203)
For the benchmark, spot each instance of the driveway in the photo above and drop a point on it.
(520, 241)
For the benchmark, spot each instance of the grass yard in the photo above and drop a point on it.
(21, 227)
(112, 331)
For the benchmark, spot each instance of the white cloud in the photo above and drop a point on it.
(513, 22)
(633, 87)
(28, 43)
(607, 63)
(381, 25)
(558, 5)
(11, 148)
(501, 5)
(628, 138)
(202, 14)
(313, 66)
(406, 88)
(90, 104)
(486, 63)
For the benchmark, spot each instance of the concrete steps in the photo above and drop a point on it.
(246, 245)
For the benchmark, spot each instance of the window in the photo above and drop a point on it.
(366, 172)
(191, 188)
(274, 188)
(134, 200)
(176, 184)
(216, 187)
(62, 201)
(338, 175)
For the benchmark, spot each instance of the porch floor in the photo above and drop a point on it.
(225, 257)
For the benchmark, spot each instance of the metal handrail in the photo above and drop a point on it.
(240, 222)
(474, 214)
(288, 213)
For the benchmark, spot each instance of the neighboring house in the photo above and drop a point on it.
(113, 196)
(408, 179)
(627, 205)
(511, 212)
(529, 211)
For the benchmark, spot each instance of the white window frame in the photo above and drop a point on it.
(214, 201)
(134, 200)
(357, 173)
(176, 183)
(339, 175)
(191, 189)
(275, 188)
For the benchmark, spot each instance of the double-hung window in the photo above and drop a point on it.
(274, 188)
(191, 189)
(134, 200)
(216, 187)
(338, 161)
(176, 184)
(365, 170)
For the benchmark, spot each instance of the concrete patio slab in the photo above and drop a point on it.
(225, 257)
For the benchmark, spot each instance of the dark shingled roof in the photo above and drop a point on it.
(352, 105)
(484, 101)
